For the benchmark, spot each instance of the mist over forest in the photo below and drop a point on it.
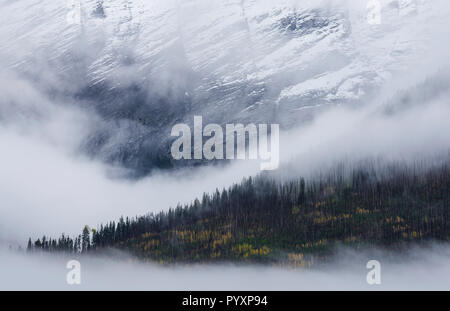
(86, 111)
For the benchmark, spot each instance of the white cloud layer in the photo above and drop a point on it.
(419, 269)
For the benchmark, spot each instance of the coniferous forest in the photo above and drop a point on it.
(295, 222)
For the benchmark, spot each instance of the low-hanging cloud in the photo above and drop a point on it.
(47, 186)
(417, 269)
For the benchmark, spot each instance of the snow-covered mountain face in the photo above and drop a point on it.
(143, 65)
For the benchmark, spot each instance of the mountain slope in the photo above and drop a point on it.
(146, 65)
(295, 222)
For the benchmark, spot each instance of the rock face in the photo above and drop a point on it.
(144, 65)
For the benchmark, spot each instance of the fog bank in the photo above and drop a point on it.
(419, 269)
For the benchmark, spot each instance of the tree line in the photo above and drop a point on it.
(268, 219)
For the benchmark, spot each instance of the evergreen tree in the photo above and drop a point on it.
(85, 239)
(29, 245)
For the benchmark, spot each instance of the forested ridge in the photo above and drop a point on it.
(269, 220)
